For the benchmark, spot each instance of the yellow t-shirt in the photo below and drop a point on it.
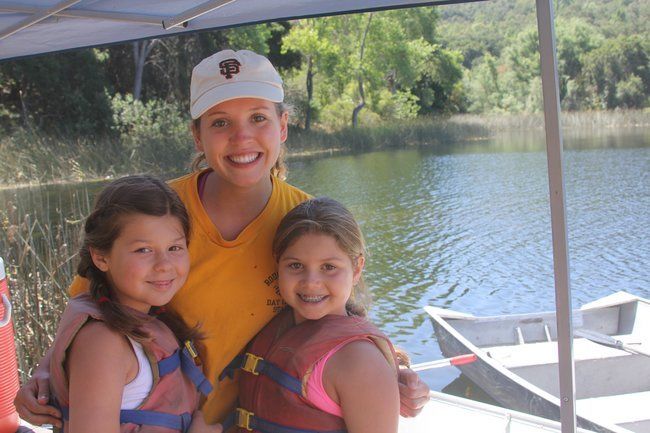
(231, 290)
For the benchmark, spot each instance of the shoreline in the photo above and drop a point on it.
(424, 133)
(305, 154)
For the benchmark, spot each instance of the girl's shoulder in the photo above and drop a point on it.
(97, 339)
(358, 357)
(359, 365)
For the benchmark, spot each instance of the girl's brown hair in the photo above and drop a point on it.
(327, 216)
(279, 170)
(124, 197)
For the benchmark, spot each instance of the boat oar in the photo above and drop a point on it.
(456, 361)
(608, 340)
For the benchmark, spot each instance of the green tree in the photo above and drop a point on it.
(62, 93)
(368, 62)
(484, 86)
(318, 54)
(575, 39)
(254, 38)
(440, 89)
(623, 61)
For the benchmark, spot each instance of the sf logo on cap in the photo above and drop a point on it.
(229, 67)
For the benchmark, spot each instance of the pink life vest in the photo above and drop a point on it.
(168, 407)
(277, 365)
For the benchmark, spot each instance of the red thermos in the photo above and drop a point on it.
(8, 365)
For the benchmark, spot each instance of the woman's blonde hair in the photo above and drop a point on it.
(279, 170)
(324, 215)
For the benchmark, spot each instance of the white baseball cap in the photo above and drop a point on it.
(232, 74)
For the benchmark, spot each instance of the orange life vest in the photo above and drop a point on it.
(173, 397)
(277, 365)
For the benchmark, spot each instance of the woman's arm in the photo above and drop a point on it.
(33, 397)
(360, 379)
(100, 362)
(413, 392)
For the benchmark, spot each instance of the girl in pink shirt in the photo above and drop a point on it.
(320, 365)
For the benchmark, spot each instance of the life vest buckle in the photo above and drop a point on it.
(244, 419)
(193, 352)
(250, 363)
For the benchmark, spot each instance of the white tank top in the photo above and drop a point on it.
(139, 388)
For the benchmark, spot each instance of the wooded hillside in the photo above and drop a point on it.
(348, 70)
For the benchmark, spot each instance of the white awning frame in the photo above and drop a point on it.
(86, 13)
(36, 18)
(105, 22)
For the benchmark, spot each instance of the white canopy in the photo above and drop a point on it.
(41, 26)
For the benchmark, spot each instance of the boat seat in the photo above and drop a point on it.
(529, 354)
(617, 409)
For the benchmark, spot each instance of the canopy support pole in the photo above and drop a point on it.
(551, 94)
(86, 13)
(195, 12)
(36, 18)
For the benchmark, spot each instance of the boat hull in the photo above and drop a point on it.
(508, 391)
(517, 360)
(446, 413)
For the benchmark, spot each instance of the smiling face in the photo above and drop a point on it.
(316, 277)
(241, 139)
(148, 261)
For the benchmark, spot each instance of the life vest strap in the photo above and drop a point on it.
(185, 360)
(146, 417)
(247, 420)
(256, 365)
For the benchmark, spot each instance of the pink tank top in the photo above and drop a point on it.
(316, 393)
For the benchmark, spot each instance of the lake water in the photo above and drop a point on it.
(468, 227)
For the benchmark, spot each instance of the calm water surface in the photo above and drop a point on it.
(468, 228)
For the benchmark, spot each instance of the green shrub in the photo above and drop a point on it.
(155, 134)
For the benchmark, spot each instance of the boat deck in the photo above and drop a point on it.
(601, 383)
(631, 409)
(524, 355)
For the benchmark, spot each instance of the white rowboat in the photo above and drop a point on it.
(450, 414)
(518, 360)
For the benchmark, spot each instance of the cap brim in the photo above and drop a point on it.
(240, 89)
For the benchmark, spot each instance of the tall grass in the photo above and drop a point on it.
(30, 157)
(38, 242)
(412, 133)
(570, 119)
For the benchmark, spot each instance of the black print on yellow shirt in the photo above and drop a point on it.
(273, 278)
(276, 303)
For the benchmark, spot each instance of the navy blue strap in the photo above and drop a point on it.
(265, 426)
(148, 417)
(194, 373)
(183, 359)
(266, 368)
(169, 364)
(280, 377)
